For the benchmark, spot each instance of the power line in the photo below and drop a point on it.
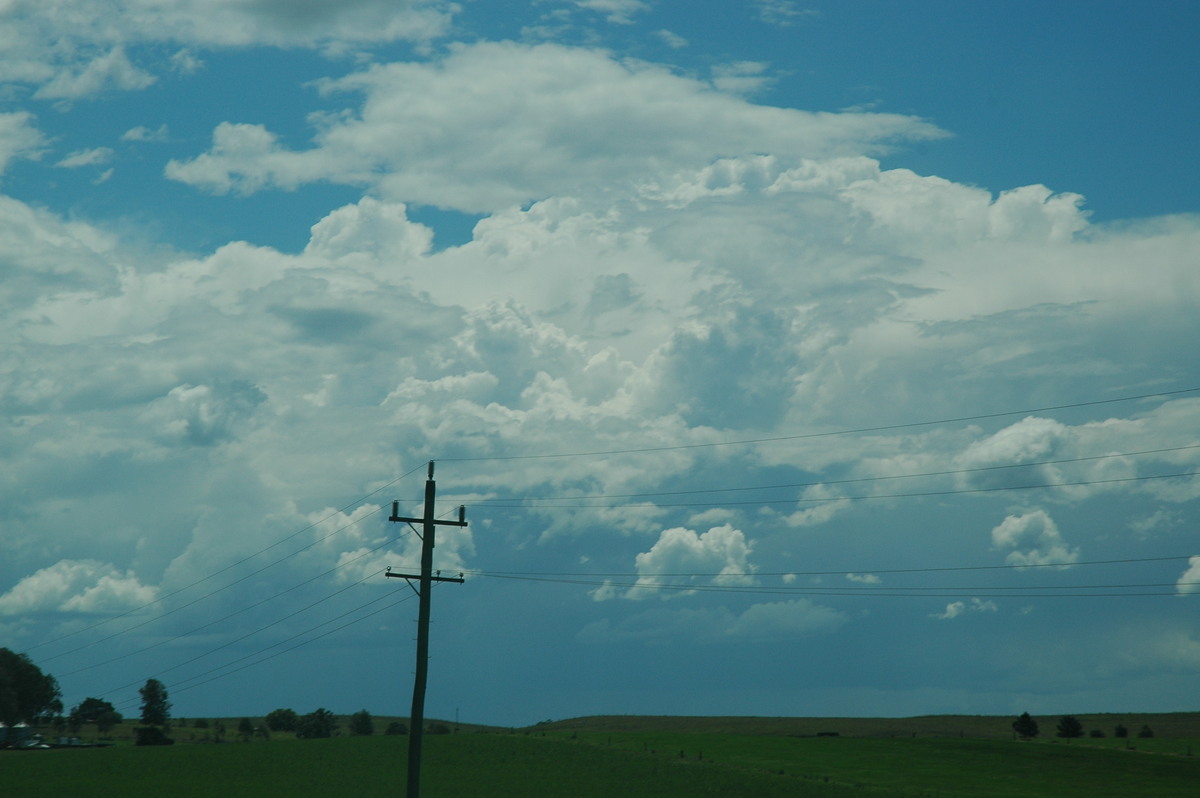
(209, 595)
(193, 679)
(805, 436)
(217, 573)
(844, 571)
(872, 591)
(856, 480)
(241, 610)
(566, 502)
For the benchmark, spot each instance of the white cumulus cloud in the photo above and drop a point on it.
(68, 51)
(83, 586)
(513, 123)
(1035, 539)
(1189, 581)
(720, 556)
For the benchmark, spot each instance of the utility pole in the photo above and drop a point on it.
(425, 582)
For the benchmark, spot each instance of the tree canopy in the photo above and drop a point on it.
(1069, 727)
(321, 723)
(282, 719)
(89, 710)
(361, 723)
(1025, 726)
(156, 709)
(26, 694)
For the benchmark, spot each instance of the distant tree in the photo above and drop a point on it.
(26, 694)
(438, 728)
(1120, 731)
(245, 730)
(1069, 727)
(281, 720)
(321, 723)
(396, 727)
(360, 723)
(89, 710)
(156, 709)
(200, 723)
(106, 721)
(1145, 732)
(1025, 727)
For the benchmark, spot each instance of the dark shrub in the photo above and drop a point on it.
(151, 735)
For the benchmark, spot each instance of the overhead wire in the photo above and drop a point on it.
(826, 434)
(190, 682)
(673, 581)
(220, 571)
(260, 630)
(566, 503)
(506, 501)
(193, 602)
(843, 571)
(388, 541)
(198, 680)
(873, 591)
(214, 574)
(247, 608)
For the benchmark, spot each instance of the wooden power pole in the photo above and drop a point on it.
(425, 581)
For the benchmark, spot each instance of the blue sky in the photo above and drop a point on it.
(789, 358)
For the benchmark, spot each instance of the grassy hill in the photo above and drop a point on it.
(659, 764)
(650, 757)
(1168, 725)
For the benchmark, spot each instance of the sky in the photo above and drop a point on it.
(788, 358)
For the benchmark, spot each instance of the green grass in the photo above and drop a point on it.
(634, 757)
(497, 766)
(927, 765)
(1165, 725)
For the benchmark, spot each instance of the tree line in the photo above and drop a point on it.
(1070, 727)
(323, 723)
(33, 698)
(29, 696)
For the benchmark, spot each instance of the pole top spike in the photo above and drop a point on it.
(431, 469)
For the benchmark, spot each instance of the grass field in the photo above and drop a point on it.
(652, 757)
(929, 765)
(458, 766)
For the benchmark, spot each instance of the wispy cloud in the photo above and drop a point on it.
(96, 156)
(143, 133)
(956, 609)
(783, 13)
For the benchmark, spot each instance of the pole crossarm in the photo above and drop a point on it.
(397, 519)
(459, 579)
